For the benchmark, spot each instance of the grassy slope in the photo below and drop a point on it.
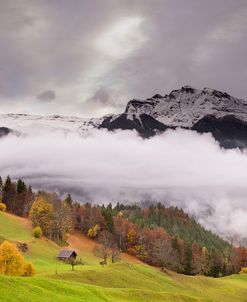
(126, 281)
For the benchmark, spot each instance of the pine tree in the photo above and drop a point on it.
(107, 214)
(9, 194)
(21, 198)
(1, 186)
(188, 259)
(68, 200)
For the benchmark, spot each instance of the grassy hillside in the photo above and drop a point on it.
(129, 280)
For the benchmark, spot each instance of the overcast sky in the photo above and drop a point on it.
(89, 57)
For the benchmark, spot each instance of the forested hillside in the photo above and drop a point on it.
(176, 222)
(160, 236)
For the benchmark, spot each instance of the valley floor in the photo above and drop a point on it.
(129, 280)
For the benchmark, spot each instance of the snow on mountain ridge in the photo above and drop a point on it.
(185, 106)
(24, 123)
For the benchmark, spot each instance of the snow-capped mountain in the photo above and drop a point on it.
(206, 110)
(186, 106)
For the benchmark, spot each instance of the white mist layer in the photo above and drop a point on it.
(178, 167)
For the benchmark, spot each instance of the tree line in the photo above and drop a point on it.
(161, 236)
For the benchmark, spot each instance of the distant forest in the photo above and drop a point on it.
(161, 236)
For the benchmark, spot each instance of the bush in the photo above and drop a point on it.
(28, 269)
(22, 247)
(244, 270)
(2, 207)
(37, 232)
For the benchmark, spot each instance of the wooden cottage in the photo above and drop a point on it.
(65, 255)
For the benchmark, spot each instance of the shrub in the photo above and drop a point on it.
(37, 232)
(244, 270)
(22, 247)
(28, 269)
(2, 207)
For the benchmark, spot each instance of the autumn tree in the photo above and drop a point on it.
(87, 216)
(61, 223)
(205, 262)
(41, 214)
(93, 231)
(12, 262)
(196, 258)
(2, 206)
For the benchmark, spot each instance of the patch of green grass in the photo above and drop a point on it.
(13, 228)
(39, 289)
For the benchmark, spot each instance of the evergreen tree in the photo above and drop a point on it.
(1, 186)
(21, 198)
(68, 200)
(9, 194)
(108, 216)
(188, 259)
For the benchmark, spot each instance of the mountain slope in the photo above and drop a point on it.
(118, 282)
(186, 106)
(177, 223)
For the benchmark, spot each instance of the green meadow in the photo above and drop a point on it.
(128, 280)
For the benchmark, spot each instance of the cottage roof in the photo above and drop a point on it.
(65, 253)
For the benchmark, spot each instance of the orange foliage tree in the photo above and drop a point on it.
(12, 262)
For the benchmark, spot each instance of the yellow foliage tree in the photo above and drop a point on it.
(41, 214)
(12, 262)
(93, 231)
(2, 206)
(131, 236)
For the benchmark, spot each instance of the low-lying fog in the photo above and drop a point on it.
(178, 167)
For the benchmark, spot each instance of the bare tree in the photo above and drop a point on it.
(115, 254)
(106, 248)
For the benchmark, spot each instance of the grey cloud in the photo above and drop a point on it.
(51, 44)
(47, 96)
(104, 97)
(101, 96)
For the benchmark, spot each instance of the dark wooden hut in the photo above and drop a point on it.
(65, 255)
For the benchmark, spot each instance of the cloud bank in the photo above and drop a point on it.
(178, 167)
